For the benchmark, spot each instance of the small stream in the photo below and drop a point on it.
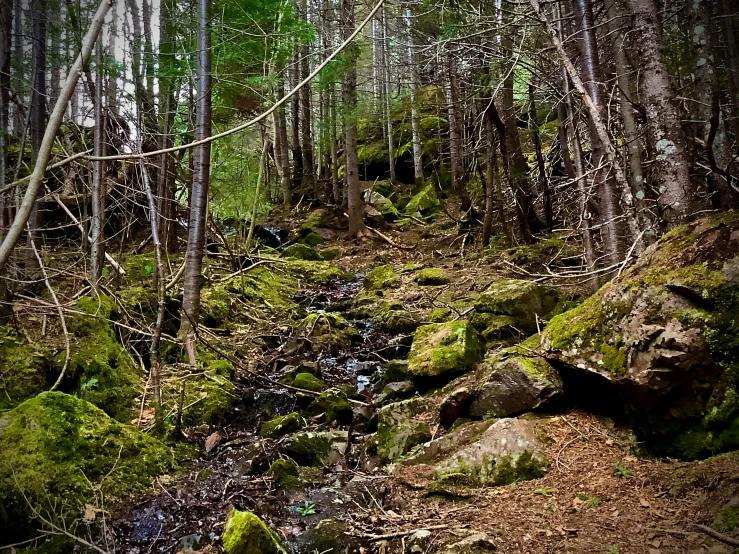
(187, 513)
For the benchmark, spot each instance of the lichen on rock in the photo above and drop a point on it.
(399, 429)
(245, 533)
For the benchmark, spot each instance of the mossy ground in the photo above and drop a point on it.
(23, 369)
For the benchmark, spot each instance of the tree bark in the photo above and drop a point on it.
(97, 253)
(200, 185)
(455, 133)
(349, 97)
(309, 170)
(673, 172)
(415, 119)
(536, 138)
(284, 149)
(297, 173)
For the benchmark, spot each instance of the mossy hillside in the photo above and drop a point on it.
(23, 369)
(285, 474)
(444, 349)
(281, 425)
(431, 276)
(328, 331)
(245, 533)
(686, 287)
(727, 518)
(55, 447)
(381, 277)
(100, 370)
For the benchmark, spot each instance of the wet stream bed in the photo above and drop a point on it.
(187, 512)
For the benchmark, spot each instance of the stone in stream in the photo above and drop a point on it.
(443, 350)
(334, 404)
(510, 450)
(511, 383)
(245, 533)
(522, 301)
(399, 429)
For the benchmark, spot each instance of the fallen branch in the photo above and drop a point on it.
(390, 241)
(731, 541)
(399, 534)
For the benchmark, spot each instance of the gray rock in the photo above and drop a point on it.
(520, 300)
(448, 444)
(330, 535)
(395, 391)
(454, 405)
(444, 349)
(399, 429)
(510, 450)
(478, 543)
(512, 384)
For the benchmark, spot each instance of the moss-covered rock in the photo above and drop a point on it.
(329, 253)
(493, 326)
(439, 315)
(666, 336)
(523, 301)
(381, 277)
(399, 429)
(334, 404)
(285, 474)
(393, 317)
(281, 425)
(23, 369)
(245, 533)
(444, 349)
(513, 382)
(314, 272)
(395, 371)
(100, 370)
(330, 535)
(426, 203)
(55, 448)
(309, 382)
(301, 251)
(431, 276)
(316, 448)
(312, 239)
(328, 331)
(510, 450)
(383, 205)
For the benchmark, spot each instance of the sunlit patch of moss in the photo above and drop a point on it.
(381, 277)
(306, 381)
(23, 369)
(281, 425)
(245, 533)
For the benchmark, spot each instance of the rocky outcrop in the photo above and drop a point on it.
(511, 383)
(510, 450)
(443, 350)
(665, 335)
(521, 301)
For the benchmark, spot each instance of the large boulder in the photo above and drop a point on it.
(522, 301)
(444, 350)
(426, 203)
(383, 205)
(511, 383)
(665, 335)
(56, 450)
(510, 450)
(399, 428)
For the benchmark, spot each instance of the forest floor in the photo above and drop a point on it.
(597, 497)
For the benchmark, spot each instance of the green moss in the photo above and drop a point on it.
(23, 369)
(139, 268)
(330, 253)
(439, 315)
(245, 533)
(311, 239)
(525, 468)
(281, 425)
(727, 519)
(392, 316)
(381, 277)
(100, 370)
(55, 448)
(328, 331)
(315, 271)
(285, 474)
(444, 348)
(396, 371)
(308, 448)
(307, 381)
(431, 276)
(301, 252)
(334, 404)
(399, 430)
(504, 471)
(493, 326)
(543, 253)
(426, 203)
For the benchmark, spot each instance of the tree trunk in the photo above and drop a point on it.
(349, 97)
(19, 125)
(297, 172)
(631, 132)
(200, 184)
(536, 137)
(592, 78)
(731, 56)
(490, 170)
(415, 119)
(335, 183)
(37, 121)
(386, 80)
(455, 133)
(673, 176)
(284, 149)
(97, 254)
(309, 170)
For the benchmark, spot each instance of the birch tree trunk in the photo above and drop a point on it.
(200, 185)
(97, 254)
(455, 132)
(415, 119)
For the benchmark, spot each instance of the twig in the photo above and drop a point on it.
(716, 535)
(59, 308)
(398, 534)
(390, 241)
